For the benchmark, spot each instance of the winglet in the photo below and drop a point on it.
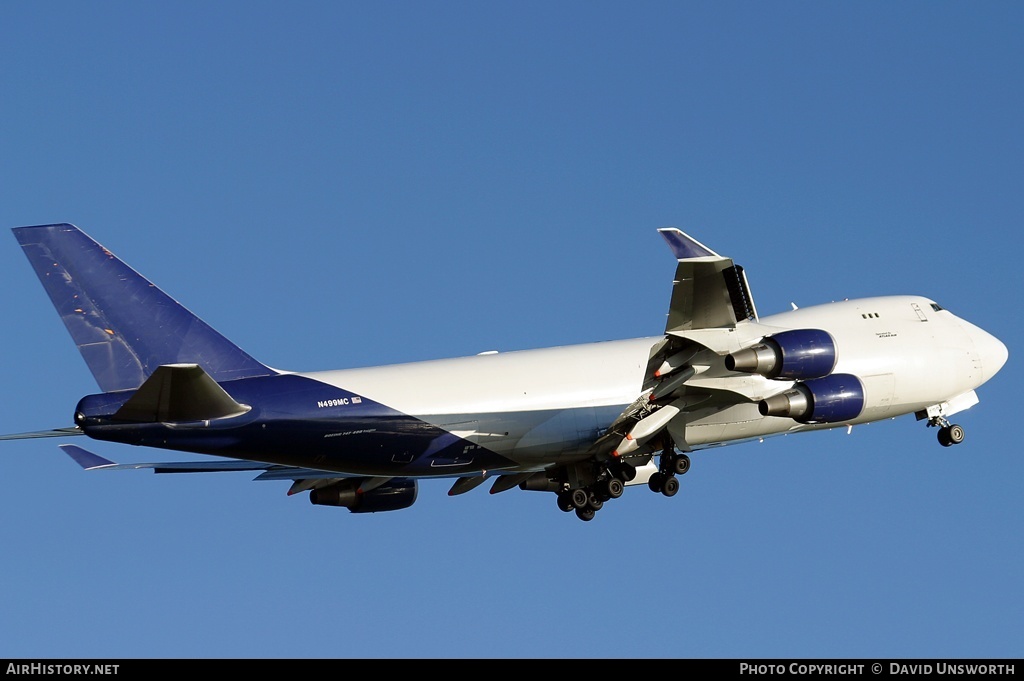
(85, 458)
(685, 246)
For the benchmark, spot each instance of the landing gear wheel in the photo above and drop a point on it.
(585, 514)
(682, 464)
(565, 502)
(580, 498)
(670, 486)
(614, 488)
(951, 435)
(655, 482)
(594, 502)
(956, 434)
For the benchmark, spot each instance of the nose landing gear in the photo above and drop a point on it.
(949, 433)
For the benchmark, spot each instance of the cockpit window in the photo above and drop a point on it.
(936, 307)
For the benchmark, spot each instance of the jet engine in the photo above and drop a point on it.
(392, 496)
(799, 354)
(831, 399)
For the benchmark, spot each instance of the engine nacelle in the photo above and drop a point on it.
(831, 399)
(800, 354)
(391, 496)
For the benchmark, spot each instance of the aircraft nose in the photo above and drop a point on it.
(991, 351)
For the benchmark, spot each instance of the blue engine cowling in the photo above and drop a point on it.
(831, 399)
(800, 354)
(394, 495)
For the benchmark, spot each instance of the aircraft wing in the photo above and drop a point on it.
(91, 462)
(709, 291)
(303, 479)
(710, 294)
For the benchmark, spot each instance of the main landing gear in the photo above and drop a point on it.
(587, 501)
(611, 481)
(949, 433)
(670, 465)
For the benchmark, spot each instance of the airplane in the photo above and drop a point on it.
(583, 422)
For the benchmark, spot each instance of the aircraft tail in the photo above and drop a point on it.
(124, 326)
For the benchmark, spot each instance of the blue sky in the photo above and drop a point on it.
(336, 184)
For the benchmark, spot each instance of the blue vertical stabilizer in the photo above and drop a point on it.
(124, 326)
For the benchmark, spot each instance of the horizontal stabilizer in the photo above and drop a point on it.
(87, 459)
(177, 393)
(56, 432)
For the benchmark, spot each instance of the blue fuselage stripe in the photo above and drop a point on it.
(299, 421)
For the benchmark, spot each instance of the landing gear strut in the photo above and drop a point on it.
(949, 433)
